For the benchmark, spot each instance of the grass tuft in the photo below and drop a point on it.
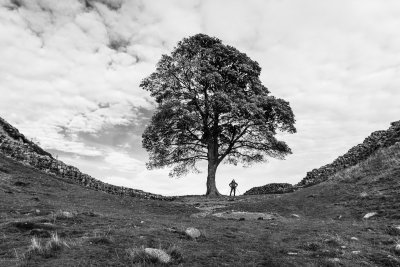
(100, 237)
(36, 246)
(37, 249)
(55, 243)
(138, 255)
(176, 254)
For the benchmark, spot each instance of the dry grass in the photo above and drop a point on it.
(36, 246)
(139, 255)
(176, 253)
(40, 249)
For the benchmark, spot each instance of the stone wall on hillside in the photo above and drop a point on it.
(17, 147)
(274, 188)
(372, 143)
(13, 133)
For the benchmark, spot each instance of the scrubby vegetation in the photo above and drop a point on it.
(42, 249)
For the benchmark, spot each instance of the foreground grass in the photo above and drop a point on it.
(318, 226)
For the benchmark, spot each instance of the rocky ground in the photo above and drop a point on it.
(350, 220)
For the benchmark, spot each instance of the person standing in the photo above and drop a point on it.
(233, 186)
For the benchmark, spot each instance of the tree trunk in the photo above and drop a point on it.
(212, 190)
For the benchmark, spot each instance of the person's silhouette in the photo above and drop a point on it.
(233, 186)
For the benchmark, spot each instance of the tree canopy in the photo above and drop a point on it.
(211, 105)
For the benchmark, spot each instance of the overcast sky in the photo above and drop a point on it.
(70, 73)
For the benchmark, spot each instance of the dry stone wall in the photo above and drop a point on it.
(274, 188)
(372, 143)
(14, 145)
(361, 152)
(9, 131)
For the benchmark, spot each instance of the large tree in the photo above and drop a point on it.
(211, 105)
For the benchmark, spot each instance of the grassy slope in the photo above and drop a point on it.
(104, 226)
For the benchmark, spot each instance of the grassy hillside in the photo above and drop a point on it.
(376, 141)
(13, 144)
(356, 154)
(321, 225)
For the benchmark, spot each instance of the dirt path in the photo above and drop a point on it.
(218, 207)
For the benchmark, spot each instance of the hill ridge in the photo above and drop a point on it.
(371, 144)
(376, 140)
(15, 145)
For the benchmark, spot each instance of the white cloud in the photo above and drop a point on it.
(122, 162)
(65, 64)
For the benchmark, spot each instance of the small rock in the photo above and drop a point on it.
(67, 214)
(295, 216)
(193, 232)
(141, 221)
(397, 248)
(356, 252)
(160, 254)
(292, 253)
(354, 238)
(343, 247)
(37, 211)
(334, 260)
(369, 215)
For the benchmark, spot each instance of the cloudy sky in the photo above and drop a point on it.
(70, 73)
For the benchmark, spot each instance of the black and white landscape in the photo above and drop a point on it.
(123, 124)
